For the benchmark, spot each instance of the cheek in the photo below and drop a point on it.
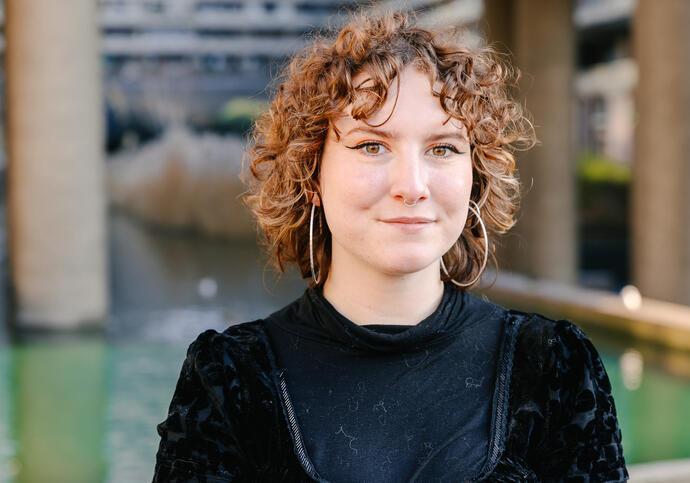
(453, 190)
(354, 185)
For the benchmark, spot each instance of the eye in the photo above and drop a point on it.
(370, 148)
(441, 150)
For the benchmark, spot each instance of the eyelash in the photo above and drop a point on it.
(372, 143)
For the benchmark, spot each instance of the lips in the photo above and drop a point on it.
(409, 224)
(409, 220)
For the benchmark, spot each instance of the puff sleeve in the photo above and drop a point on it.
(199, 438)
(582, 442)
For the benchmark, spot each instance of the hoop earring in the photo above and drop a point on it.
(486, 249)
(315, 278)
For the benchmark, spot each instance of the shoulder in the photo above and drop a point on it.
(555, 354)
(238, 351)
(233, 369)
(236, 344)
(223, 412)
(562, 402)
(531, 338)
(556, 348)
(539, 329)
(244, 346)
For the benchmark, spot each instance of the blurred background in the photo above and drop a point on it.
(122, 236)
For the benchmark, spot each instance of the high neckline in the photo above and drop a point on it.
(320, 315)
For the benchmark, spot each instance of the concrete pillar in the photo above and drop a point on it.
(661, 175)
(541, 37)
(56, 199)
(497, 22)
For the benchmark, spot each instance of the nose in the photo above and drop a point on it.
(408, 179)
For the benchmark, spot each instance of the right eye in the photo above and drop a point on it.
(370, 148)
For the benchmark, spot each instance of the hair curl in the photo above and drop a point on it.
(315, 88)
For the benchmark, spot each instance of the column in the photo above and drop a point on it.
(56, 198)
(541, 37)
(661, 171)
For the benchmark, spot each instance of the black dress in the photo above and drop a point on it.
(472, 393)
(389, 402)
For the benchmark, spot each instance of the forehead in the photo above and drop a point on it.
(413, 107)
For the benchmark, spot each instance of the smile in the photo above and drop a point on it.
(408, 224)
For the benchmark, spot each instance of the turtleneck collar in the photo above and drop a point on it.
(321, 321)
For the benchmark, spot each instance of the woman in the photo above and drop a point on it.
(381, 168)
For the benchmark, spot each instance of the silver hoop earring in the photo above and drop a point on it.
(475, 210)
(314, 277)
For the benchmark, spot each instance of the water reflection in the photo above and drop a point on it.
(156, 276)
(141, 382)
(652, 397)
(8, 461)
(57, 412)
(632, 368)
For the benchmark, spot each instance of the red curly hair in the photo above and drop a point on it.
(315, 88)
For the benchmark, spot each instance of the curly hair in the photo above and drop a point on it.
(317, 85)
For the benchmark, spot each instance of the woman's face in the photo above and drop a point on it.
(367, 175)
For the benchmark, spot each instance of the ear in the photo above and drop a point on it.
(315, 196)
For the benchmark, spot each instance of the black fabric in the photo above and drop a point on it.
(555, 418)
(384, 402)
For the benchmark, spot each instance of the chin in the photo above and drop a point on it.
(407, 264)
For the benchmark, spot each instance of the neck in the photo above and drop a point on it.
(366, 296)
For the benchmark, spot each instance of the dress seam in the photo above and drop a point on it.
(501, 400)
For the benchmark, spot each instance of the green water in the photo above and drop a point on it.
(86, 409)
(654, 416)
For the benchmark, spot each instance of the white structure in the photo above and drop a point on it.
(56, 202)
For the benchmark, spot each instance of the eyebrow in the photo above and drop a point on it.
(394, 135)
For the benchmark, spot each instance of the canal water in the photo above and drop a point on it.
(85, 408)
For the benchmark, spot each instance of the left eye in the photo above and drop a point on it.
(441, 151)
(372, 148)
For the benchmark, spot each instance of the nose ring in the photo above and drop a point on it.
(409, 205)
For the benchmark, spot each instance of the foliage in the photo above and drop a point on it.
(242, 107)
(235, 117)
(597, 168)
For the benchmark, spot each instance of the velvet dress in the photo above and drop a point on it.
(474, 392)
